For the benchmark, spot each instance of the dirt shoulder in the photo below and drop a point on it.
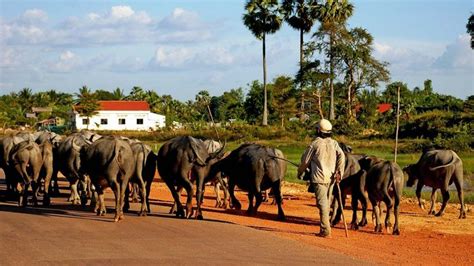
(424, 239)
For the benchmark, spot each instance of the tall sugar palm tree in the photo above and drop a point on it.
(262, 17)
(333, 15)
(300, 15)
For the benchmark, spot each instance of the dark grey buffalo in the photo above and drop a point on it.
(351, 183)
(438, 169)
(180, 160)
(145, 167)
(384, 181)
(253, 168)
(109, 162)
(26, 159)
(69, 163)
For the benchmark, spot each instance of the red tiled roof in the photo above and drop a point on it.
(384, 107)
(124, 106)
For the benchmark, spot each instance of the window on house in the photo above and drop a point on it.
(103, 121)
(139, 121)
(121, 121)
(85, 121)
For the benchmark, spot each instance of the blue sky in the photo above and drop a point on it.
(182, 47)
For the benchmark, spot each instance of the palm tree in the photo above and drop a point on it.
(118, 94)
(333, 14)
(300, 15)
(87, 103)
(470, 29)
(263, 18)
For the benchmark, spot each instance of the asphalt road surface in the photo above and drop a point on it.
(69, 235)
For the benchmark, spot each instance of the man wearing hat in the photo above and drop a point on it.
(325, 161)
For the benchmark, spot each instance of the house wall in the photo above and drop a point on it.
(150, 120)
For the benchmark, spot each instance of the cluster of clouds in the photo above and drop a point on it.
(179, 41)
(456, 56)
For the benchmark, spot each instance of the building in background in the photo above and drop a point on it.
(121, 115)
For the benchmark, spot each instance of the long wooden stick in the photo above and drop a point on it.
(398, 123)
(342, 209)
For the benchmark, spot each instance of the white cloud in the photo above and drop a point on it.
(168, 57)
(172, 57)
(183, 26)
(401, 58)
(122, 11)
(119, 25)
(34, 16)
(181, 19)
(458, 55)
(68, 61)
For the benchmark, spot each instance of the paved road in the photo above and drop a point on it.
(65, 234)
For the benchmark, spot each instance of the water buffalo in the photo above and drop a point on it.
(351, 183)
(6, 146)
(108, 161)
(69, 162)
(145, 167)
(384, 181)
(26, 159)
(437, 169)
(46, 172)
(219, 181)
(253, 168)
(178, 160)
(54, 141)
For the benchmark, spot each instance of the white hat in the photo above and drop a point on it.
(325, 126)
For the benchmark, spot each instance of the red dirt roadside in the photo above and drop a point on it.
(424, 239)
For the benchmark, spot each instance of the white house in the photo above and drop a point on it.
(121, 115)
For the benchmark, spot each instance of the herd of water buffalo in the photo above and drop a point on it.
(91, 163)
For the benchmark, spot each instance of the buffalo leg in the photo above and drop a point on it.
(458, 184)
(123, 186)
(54, 180)
(74, 198)
(445, 193)
(354, 205)
(419, 186)
(396, 211)
(258, 201)
(199, 194)
(23, 194)
(126, 205)
(388, 204)
(100, 205)
(250, 210)
(218, 197)
(174, 193)
(148, 190)
(433, 201)
(363, 197)
(142, 191)
(225, 204)
(173, 208)
(114, 185)
(279, 200)
(188, 186)
(47, 192)
(35, 187)
(376, 212)
(235, 202)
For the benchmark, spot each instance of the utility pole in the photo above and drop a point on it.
(398, 123)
